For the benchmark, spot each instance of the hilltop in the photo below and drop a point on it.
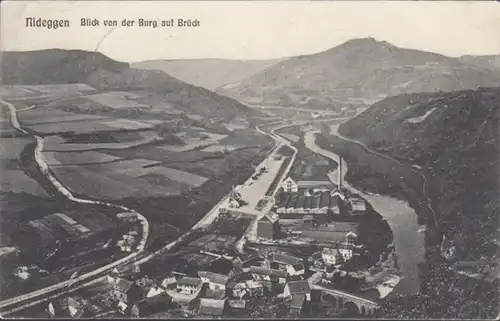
(357, 73)
(57, 66)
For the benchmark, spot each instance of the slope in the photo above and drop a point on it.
(455, 137)
(356, 73)
(56, 66)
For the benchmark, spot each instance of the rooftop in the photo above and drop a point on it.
(215, 294)
(296, 287)
(297, 301)
(314, 184)
(189, 281)
(299, 266)
(211, 306)
(123, 285)
(214, 277)
(154, 304)
(264, 271)
(285, 258)
(71, 226)
(237, 304)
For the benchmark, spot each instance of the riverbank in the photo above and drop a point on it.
(442, 293)
(402, 219)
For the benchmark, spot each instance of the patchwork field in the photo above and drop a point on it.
(219, 148)
(77, 158)
(6, 129)
(16, 181)
(49, 120)
(118, 100)
(116, 141)
(127, 178)
(40, 115)
(11, 147)
(191, 142)
(37, 90)
(308, 165)
(12, 177)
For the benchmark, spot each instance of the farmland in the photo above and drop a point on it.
(127, 178)
(77, 158)
(140, 149)
(13, 178)
(308, 165)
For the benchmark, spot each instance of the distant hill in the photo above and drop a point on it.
(455, 135)
(56, 66)
(486, 62)
(207, 73)
(357, 72)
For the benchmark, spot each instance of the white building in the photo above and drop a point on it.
(189, 286)
(289, 186)
(329, 256)
(346, 249)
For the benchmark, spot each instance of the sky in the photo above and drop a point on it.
(254, 29)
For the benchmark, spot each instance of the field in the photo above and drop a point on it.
(117, 100)
(23, 91)
(115, 141)
(308, 166)
(219, 148)
(77, 158)
(200, 139)
(39, 116)
(138, 149)
(6, 129)
(126, 178)
(12, 177)
(11, 147)
(51, 120)
(16, 181)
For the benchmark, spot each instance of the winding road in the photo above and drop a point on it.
(6, 305)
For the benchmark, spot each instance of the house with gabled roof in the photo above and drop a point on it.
(212, 307)
(150, 306)
(290, 264)
(297, 287)
(296, 304)
(268, 277)
(125, 291)
(268, 226)
(237, 304)
(215, 281)
(67, 307)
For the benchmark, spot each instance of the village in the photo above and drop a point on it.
(279, 245)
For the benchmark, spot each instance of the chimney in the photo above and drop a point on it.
(340, 173)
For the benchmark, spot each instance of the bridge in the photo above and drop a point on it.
(346, 301)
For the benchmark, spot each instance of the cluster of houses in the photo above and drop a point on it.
(206, 293)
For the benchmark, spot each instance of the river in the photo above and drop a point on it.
(408, 241)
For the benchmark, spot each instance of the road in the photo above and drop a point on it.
(65, 285)
(309, 110)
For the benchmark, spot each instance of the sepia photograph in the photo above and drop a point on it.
(250, 159)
